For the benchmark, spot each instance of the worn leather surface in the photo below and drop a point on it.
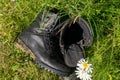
(73, 54)
(39, 42)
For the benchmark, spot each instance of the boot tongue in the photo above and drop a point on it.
(73, 54)
(50, 22)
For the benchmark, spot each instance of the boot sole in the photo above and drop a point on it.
(20, 44)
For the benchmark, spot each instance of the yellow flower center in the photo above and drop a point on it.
(85, 65)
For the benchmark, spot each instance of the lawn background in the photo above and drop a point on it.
(102, 15)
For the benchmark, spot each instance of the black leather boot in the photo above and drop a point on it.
(44, 44)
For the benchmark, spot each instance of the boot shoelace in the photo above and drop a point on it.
(51, 44)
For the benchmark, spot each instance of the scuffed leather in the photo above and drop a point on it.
(34, 39)
(73, 54)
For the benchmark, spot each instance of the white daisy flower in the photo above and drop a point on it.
(83, 75)
(83, 70)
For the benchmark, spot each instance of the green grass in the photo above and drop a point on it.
(102, 15)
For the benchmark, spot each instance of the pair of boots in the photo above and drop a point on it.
(59, 44)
